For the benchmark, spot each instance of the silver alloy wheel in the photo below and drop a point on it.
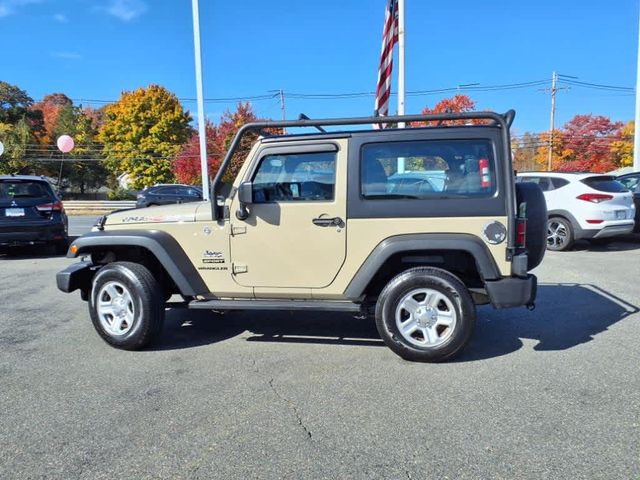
(426, 317)
(557, 235)
(115, 309)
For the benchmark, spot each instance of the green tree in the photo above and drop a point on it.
(16, 139)
(88, 169)
(142, 132)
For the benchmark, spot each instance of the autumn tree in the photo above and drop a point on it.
(142, 132)
(51, 106)
(456, 104)
(622, 147)
(219, 138)
(525, 149)
(587, 142)
(187, 168)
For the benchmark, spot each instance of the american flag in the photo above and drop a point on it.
(389, 39)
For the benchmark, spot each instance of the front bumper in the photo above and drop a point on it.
(31, 233)
(76, 276)
(512, 291)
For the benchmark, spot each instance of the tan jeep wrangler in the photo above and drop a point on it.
(421, 223)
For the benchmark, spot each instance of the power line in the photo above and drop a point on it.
(564, 79)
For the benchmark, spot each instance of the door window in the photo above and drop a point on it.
(295, 177)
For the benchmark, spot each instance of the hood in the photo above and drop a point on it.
(183, 212)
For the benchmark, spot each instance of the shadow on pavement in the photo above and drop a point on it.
(189, 328)
(622, 243)
(567, 315)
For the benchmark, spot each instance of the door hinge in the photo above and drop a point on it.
(238, 268)
(238, 229)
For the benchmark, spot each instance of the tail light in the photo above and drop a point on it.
(521, 233)
(521, 226)
(483, 166)
(46, 207)
(594, 197)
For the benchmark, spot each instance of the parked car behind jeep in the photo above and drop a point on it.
(166, 194)
(31, 213)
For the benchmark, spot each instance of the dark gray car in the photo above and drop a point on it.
(632, 182)
(168, 194)
(31, 213)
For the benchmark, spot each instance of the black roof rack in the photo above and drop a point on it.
(502, 120)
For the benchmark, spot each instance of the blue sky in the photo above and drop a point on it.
(94, 49)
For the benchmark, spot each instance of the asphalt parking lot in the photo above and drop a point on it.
(551, 393)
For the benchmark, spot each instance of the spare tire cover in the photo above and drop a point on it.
(536, 210)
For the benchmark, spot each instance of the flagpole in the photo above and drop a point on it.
(636, 139)
(401, 60)
(401, 161)
(202, 131)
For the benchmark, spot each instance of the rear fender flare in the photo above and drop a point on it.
(426, 241)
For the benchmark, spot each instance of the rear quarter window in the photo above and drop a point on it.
(604, 184)
(426, 169)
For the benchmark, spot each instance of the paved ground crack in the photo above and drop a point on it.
(293, 408)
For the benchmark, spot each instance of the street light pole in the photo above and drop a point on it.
(636, 141)
(202, 130)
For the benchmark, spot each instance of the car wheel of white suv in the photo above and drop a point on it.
(559, 234)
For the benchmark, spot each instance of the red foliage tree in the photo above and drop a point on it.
(186, 166)
(586, 144)
(219, 138)
(456, 104)
(51, 106)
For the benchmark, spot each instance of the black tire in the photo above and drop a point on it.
(564, 231)
(147, 304)
(446, 286)
(531, 194)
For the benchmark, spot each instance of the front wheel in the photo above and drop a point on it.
(126, 305)
(425, 314)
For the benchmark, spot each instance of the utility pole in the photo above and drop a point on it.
(554, 89)
(283, 109)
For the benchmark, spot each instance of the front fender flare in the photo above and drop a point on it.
(163, 246)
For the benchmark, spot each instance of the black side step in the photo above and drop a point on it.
(326, 305)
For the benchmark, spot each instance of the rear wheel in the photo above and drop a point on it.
(126, 305)
(559, 234)
(425, 314)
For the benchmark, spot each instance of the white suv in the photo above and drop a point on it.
(583, 206)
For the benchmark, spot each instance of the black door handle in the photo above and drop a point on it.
(328, 222)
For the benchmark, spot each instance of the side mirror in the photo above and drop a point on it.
(245, 196)
(245, 193)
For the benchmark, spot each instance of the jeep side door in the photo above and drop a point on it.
(295, 233)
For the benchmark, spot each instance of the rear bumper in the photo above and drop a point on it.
(76, 276)
(607, 231)
(512, 291)
(31, 233)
